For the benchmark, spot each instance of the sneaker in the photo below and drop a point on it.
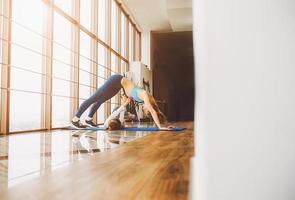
(90, 123)
(78, 125)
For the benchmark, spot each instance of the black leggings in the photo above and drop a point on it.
(109, 89)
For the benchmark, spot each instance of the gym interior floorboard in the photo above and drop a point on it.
(65, 164)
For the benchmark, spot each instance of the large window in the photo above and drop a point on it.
(114, 70)
(85, 14)
(101, 74)
(131, 42)
(123, 35)
(86, 74)
(61, 69)
(102, 16)
(64, 5)
(26, 65)
(137, 46)
(114, 29)
(59, 55)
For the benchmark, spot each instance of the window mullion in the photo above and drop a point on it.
(47, 67)
(75, 46)
(94, 48)
(6, 70)
(108, 52)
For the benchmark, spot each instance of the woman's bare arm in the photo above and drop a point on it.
(120, 110)
(149, 106)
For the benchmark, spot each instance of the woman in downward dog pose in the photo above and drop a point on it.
(109, 89)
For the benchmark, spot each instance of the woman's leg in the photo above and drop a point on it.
(109, 89)
(112, 92)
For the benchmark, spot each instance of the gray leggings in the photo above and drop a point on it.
(109, 89)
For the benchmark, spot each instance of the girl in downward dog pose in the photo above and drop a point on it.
(116, 120)
(109, 89)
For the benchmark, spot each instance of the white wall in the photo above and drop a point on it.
(245, 100)
(146, 48)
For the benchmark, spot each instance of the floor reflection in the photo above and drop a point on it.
(25, 156)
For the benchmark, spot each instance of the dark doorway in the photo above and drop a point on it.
(172, 61)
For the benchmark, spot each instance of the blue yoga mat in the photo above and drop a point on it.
(127, 129)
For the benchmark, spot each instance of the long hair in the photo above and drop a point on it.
(153, 102)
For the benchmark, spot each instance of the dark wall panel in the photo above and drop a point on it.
(172, 62)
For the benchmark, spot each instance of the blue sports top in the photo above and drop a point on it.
(134, 96)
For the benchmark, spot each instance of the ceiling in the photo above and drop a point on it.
(161, 15)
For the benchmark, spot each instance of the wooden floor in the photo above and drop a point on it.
(153, 167)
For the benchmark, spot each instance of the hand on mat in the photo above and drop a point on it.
(171, 127)
(165, 128)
